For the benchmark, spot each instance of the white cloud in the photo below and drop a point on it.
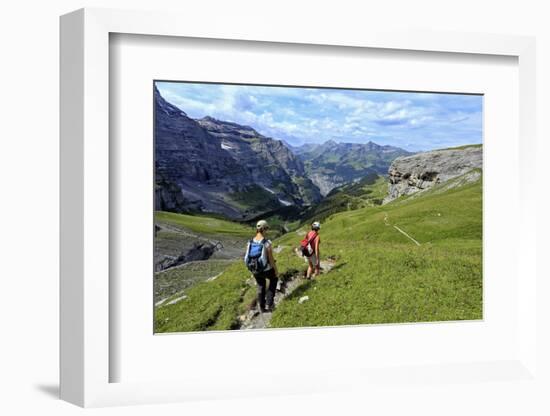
(310, 115)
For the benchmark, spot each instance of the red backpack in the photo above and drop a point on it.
(305, 245)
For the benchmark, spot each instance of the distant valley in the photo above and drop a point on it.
(332, 164)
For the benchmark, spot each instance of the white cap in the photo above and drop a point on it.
(316, 225)
(262, 225)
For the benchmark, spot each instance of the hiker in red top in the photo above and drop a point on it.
(314, 258)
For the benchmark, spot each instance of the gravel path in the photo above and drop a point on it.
(254, 319)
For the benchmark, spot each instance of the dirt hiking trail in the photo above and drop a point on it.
(254, 319)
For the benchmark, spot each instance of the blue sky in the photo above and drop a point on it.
(413, 121)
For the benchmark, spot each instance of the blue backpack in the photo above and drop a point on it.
(256, 257)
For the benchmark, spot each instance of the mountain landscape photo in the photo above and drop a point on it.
(395, 179)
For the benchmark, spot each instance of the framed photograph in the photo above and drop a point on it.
(400, 218)
(323, 196)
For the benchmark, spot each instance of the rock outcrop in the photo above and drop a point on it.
(169, 197)
(199, 251)
(422, 171)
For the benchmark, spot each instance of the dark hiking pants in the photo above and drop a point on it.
(266, 285)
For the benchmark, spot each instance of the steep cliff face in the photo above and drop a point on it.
(269, 162)
(190, 164)
(332, 164)
(421, 171)
(214, 166)
(169, 197)
(184, 151)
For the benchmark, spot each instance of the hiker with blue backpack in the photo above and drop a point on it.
(259, 260)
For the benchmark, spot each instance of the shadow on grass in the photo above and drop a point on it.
(288, 275)
(338, 266)
(299, 291)
(304, 287)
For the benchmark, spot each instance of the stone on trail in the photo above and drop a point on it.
(278, 249)
(303, 299)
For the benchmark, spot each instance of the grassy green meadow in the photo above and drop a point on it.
(202, 224)
(380, 275)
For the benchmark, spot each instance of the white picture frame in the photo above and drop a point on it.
(85, 212)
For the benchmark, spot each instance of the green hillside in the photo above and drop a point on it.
(253, 199)
(179, 234)
(369, 191)
(333, 164)
(381, 275)
(202, 224)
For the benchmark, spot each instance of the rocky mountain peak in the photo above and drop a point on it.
(334, 164)
(223, 167)
(222, 128)
(165, 106)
